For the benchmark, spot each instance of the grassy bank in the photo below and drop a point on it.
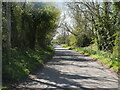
(102, 56)
(23, 62)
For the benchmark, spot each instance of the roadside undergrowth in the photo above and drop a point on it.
(22, 62)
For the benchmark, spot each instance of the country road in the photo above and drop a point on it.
(70, 69)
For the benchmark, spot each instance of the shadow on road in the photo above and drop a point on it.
(64, 80)
(52, 76)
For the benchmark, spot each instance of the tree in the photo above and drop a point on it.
(33, 24)
(8, 14)
(96, 20)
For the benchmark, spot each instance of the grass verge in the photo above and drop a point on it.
(23, 62)
(104, 57)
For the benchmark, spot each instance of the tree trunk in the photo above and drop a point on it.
(0, 43)
(8, 15)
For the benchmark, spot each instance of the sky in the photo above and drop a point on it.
(62, 6)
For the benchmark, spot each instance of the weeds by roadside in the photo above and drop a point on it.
(23, 62)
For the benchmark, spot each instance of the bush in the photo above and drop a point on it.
(83, 41)
(72, 40)
(116, 48)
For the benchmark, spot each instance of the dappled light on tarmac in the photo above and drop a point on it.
(69, 69)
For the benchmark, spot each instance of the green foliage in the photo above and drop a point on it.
(106, 26)
(33, 26)
(23, 62)
(99, 23)
(47, 28)
(63, 38)
(72, 40)
(82, 40)
(116, 48)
